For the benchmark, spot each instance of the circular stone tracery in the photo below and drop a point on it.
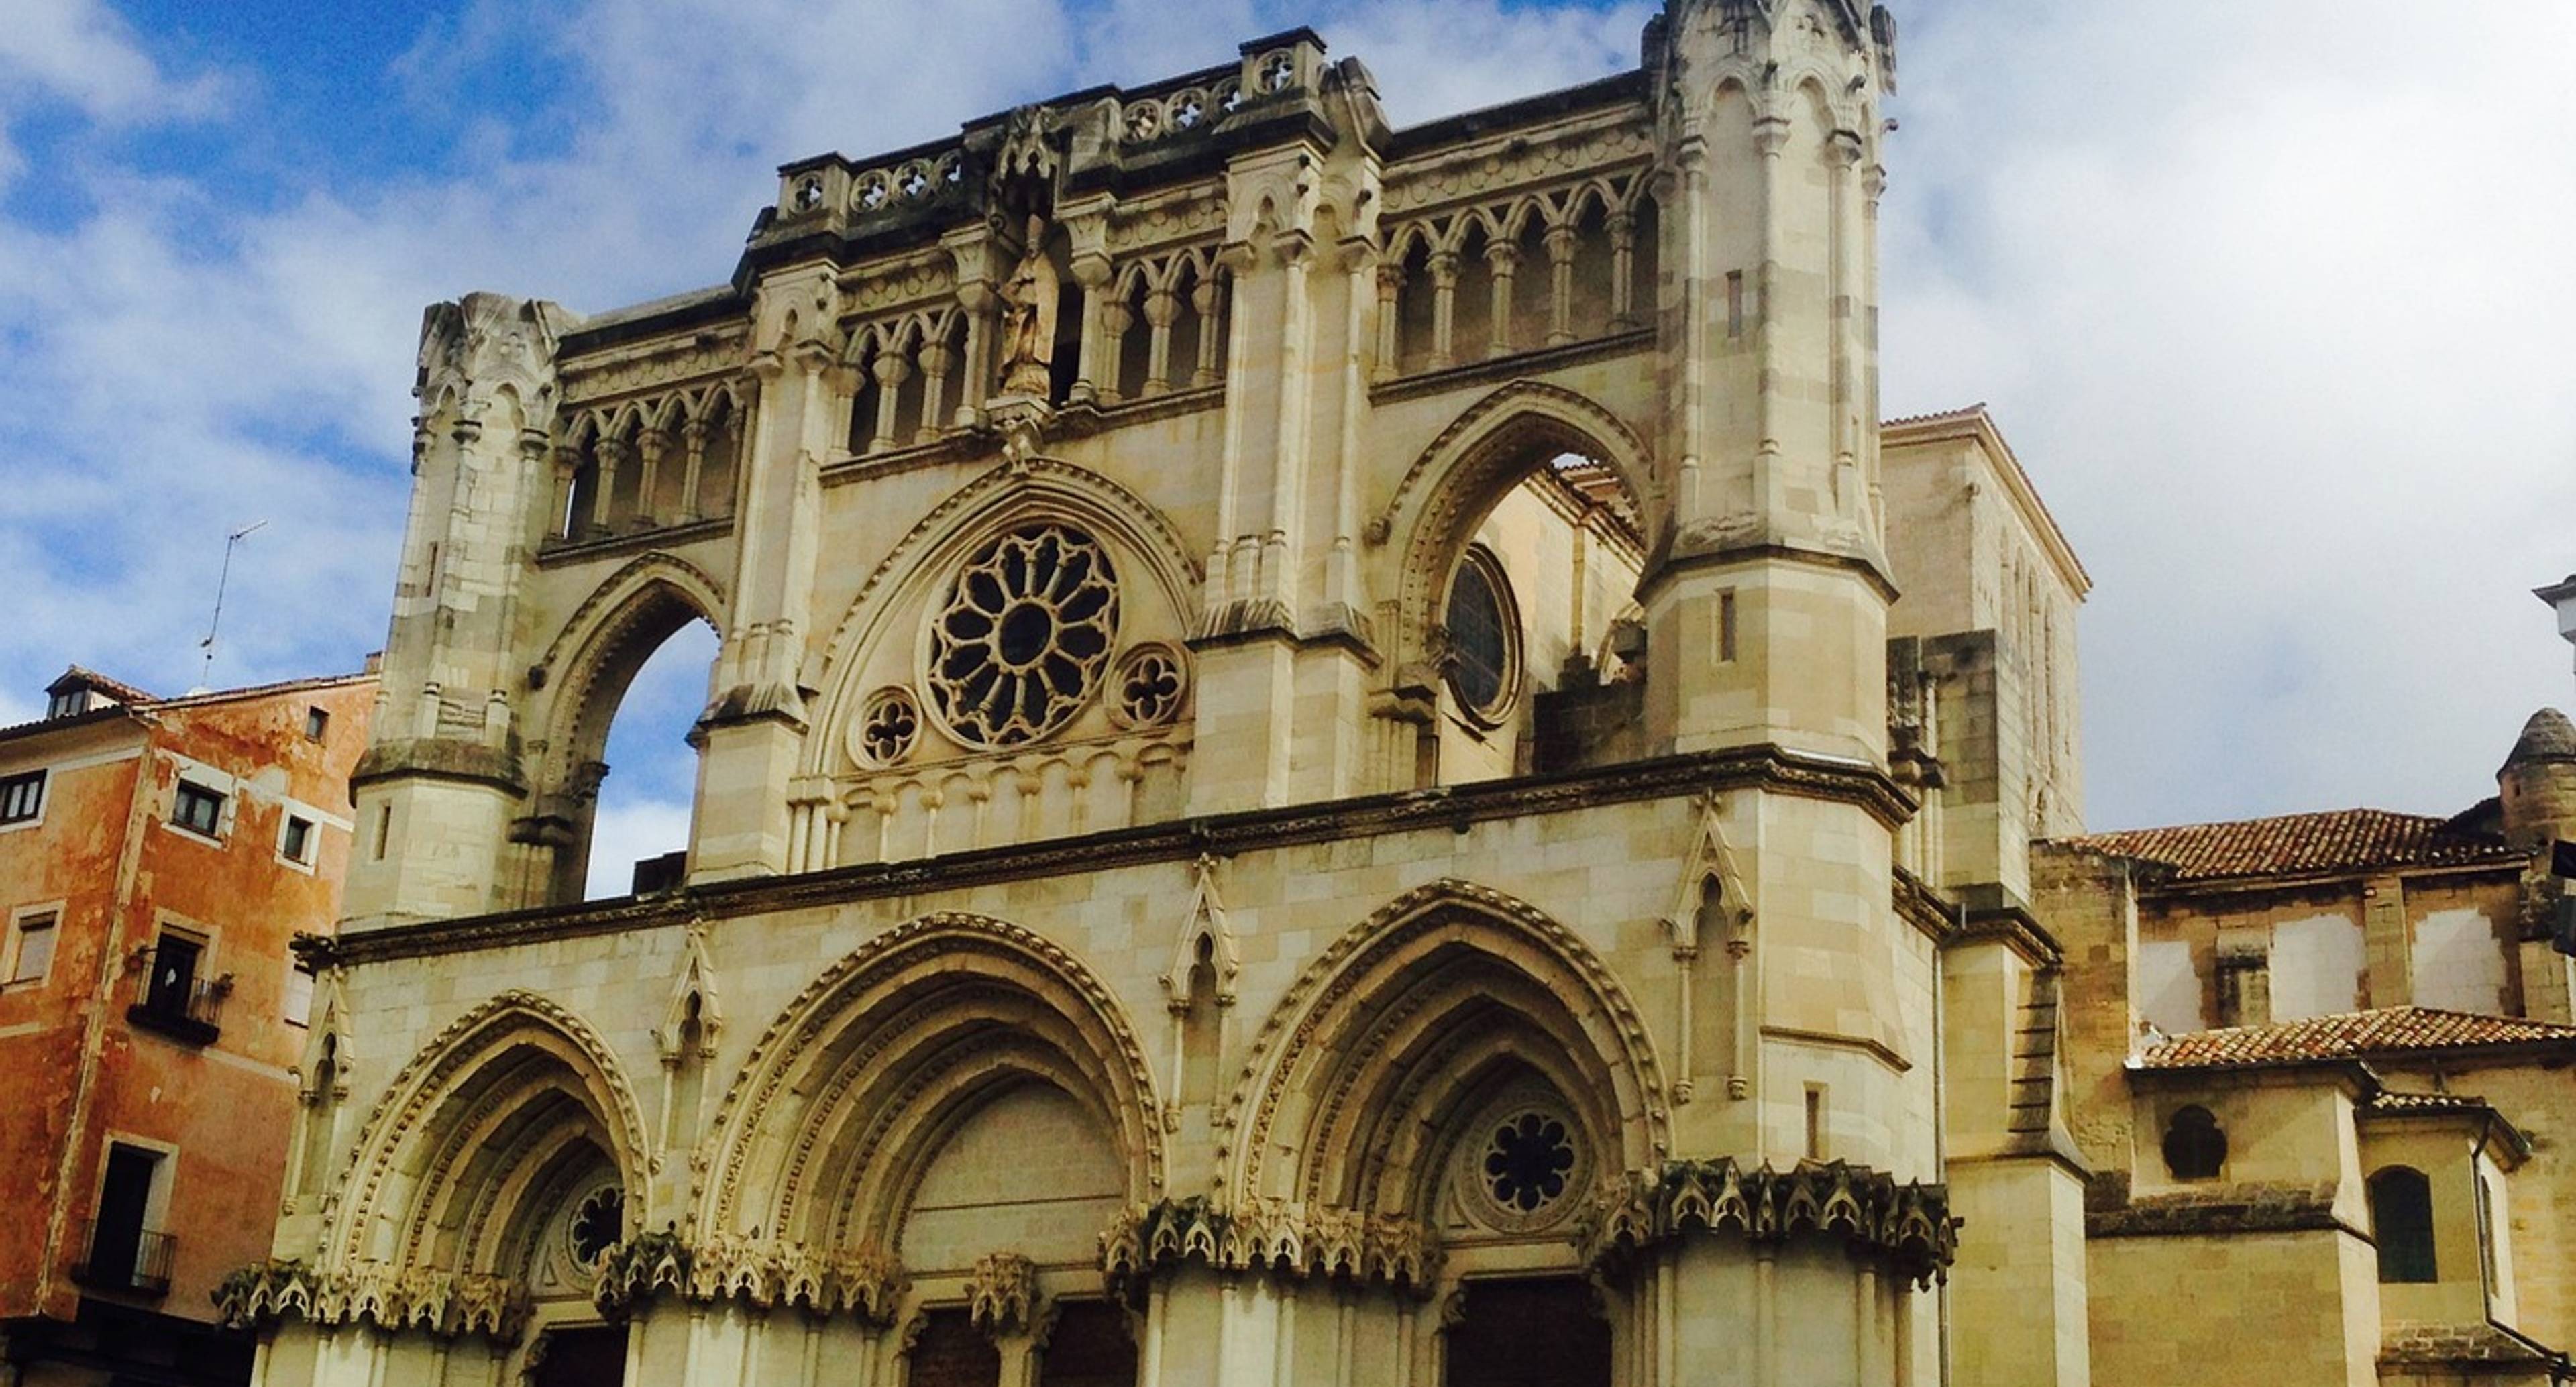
(1527, 1162)
(1020, 644)
(596, 1225)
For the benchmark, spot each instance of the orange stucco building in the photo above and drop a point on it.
(157, 856)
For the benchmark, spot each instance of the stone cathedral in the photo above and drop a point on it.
(1317, 775)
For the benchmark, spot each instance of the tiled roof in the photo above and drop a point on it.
(2340, 840)
(77, 677)
(2353, 1035)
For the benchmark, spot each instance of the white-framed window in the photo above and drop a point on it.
(198, 809)
(31, 947)
(22, 797)
(298, 840)
(298, 1005)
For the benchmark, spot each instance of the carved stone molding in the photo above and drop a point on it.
(1002, 1293)
(860, 1282)
(1297, 1240)
(393, 1299)
(1908, 1226)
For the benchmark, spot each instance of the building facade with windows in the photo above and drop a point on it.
(1315, 774)
(156, 857)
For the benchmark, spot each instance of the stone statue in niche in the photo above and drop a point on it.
(1028, 318)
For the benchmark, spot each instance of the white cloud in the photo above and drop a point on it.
(625, 834)
(2272, 309)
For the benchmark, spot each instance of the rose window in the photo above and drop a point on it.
(1146, 690)
(1528, 1161)
(597, 1223)
(889, 726)
(1022, 640)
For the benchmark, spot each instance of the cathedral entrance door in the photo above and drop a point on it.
(594, 1356)
(1541, 1333)
(1089, 1347)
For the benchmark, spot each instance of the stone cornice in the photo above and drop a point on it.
(391, 1298)
(1262, 1235)
(1908, 1226)
(1767, 768)
(860, 1282)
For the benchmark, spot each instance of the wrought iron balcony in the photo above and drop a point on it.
(190, 1011)
(133, 1261)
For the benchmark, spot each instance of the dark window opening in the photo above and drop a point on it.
(590, 1356)
(296, 844)
(22, 797)
(2401, 1217)
(2195, 1148)
(317, 723)
(125, 1254)
(174, 1000)
(198, 809)
(1480, 637)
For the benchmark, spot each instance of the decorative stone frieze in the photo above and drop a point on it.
(1002, 1293)
(1909, 1225)
(861, 1282)
(1285, 1239)
(421, 1299)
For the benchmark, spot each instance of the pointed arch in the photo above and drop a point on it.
(607, 637)
(1001, 497)
(831, 1122)
(1406, 1018)
(1483, 453)
(484, 1111)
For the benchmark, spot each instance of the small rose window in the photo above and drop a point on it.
(597, 1224)
(889, 726)
(1020, 644)
(1148, 685)
(1528, 1161)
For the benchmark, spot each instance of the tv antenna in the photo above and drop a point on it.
(205, 674)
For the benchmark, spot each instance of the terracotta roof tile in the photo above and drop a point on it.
(2339, 840)
(2391, 1102)
(2353, 1035)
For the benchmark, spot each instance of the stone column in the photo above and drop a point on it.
(1560, 243)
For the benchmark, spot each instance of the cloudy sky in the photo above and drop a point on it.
(2273, 298)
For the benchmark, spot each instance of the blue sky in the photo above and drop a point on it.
(2272, 300)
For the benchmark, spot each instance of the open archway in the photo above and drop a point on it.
(641, 817)
(1520, 534)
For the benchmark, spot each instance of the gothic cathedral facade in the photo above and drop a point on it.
(1315, 776)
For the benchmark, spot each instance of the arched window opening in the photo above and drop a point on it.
(1471, 302)
(1416, 306)
(1537, 1332)
(2401, 1217)
(1531, 591)
(639, 820)
(2195, 1148)
(1484, 636)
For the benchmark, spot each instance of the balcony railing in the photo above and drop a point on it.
(136, 1262)
(190, 1011)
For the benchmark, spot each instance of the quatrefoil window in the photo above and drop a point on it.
(1277, 71)
(889, 726)
(1020, 644)
(1188, 109)
(596, 1225)
(1528, 1161)
(1146, 689)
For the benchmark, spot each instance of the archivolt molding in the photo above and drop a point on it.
(1908, 1225)
(1321, 996)
(580, 633)
(920, 948)
(1002, 496)
(436, 1073)
(1462, 470)
(599, 629)
(1269, 1235)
